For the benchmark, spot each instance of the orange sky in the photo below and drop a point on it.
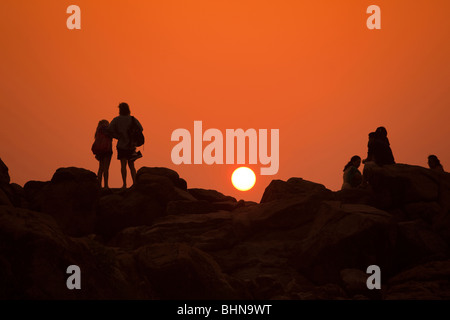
(311, 69)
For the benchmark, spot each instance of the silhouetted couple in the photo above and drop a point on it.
(119, 128)
(379, 153)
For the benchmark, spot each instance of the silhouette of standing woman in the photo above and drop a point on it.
(126, 151)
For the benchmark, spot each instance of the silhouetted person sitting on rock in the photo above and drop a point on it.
(352, 176)
(379, 153)
(435, 164)
(102, 148)
(378, 148)
(126, 151)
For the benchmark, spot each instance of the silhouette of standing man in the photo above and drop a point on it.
(126, 151)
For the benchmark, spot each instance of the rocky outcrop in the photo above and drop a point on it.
(430, 281)
(71, 198)
(161, 240)
(4, 174)
(35, 254)
(399, 184)
(346, 236)
(294, 187)
(10, 193)
(210, 195)
(162, 172)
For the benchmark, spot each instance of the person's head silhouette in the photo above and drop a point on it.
(381, 131)
(124, 109)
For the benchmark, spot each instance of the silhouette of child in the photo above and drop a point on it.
(352, 176)
(102, 148)
(435, 164)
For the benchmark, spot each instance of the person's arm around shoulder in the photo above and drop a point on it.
(112, 129)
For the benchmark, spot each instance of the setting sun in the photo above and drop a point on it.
(243, 178)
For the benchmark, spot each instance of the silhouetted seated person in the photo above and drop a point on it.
(379, 152)
(435, 164)
(352, 176)
(378, 148)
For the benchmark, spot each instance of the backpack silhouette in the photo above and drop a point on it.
(135, 134)
(102, 143)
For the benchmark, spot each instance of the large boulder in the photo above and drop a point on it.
(179, 272)
(418, 243)
(361, 195)
(13, 194)
(294, 187)
(398, 184)
(295, 213)
(164, 172)
(71, 198)
(210, 195)
(346, 236)
(121, 210)
(157, 191)
(163, 186)
(35, 255)
(429, 281)
(209, 232)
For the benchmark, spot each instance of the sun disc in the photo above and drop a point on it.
(243, 178)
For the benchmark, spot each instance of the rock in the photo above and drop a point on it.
(294, 187)
(180, 272)
(417, 243)
(210, 195)
(430, 281)
(18, 195)
(4, 199)
(425, 211)
(161, 187)
(399, 184)
(119, 211)
(328, 291)
(182, 184)
(13, 195)
(4, 174)
(71, 198)
(160, 240)
(209, 232)
(346, 236)
(288, 214)
(441, 226)
(198, 206)
(35, 254)
(7, 191)
(265, 287)
(354, 281)
(164, 172)
(34, 194)
(356, 196)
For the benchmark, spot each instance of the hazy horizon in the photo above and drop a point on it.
(312, 70)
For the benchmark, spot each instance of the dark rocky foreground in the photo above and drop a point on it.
(161, 240)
